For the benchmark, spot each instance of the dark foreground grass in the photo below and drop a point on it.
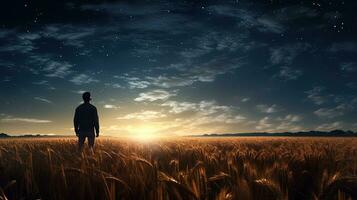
(180, 168)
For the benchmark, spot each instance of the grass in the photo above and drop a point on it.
(180, 168)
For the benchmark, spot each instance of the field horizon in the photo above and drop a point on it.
(311, 133)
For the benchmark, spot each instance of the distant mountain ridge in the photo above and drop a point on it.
(4, 135)
(334, 133)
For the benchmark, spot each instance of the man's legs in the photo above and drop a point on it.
(81, 140)
(91, 138)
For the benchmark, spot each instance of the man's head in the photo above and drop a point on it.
(86, 97)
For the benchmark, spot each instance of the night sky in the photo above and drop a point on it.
(179, 67)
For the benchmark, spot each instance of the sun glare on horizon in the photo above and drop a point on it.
(145, 133)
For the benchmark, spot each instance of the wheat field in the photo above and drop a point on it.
(179, 168)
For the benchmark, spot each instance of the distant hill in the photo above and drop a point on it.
(334, 133)
(4, 135)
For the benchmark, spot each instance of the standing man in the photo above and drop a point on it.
(86, 121)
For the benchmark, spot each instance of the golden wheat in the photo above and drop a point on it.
(180, 168)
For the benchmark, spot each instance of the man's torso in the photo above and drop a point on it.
(86, 118)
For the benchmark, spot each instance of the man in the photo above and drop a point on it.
(85, 121)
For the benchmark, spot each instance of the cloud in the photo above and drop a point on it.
(146, 18)
(154, 95)
(7, 65)
(204, 112)
(288, 127)
(345, 102)
(57, 69)
(50, 68)
(230, 119)
(42, 99)
(144, 115)
(349, 66)
(288, 73)
(268, 109)
(276, 21)
(82, 79)
(330, 126)
(246, 99)
(137, 83)
(192, 69)
(285, 55)
(70, 35)
(219, 42)
(292, 118)
(161, 23)
(179, 107)
(288, 123)
(133, 82)
(79, 91)
(343, 47)
(21, 42)
(114, 85)
(331, 112)
(27, 120)
(264, 124)
(211, 107)
(23, 46)
(224, 118)
(5, 32)
(190, 73)
(351, 85)
(204, 107)
(171, 81)
(29, 36)
(316, 96)
(248, 19)
(6, 79)
(110, 106)
(42, 82)
(296, 12)
(268, 24)
(123, 9)
(202, 116)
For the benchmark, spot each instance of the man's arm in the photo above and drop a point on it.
(75, 122)
(96, 122)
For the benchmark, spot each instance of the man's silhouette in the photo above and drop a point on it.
(85, 121)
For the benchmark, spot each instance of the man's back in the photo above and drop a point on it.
(86, 118)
